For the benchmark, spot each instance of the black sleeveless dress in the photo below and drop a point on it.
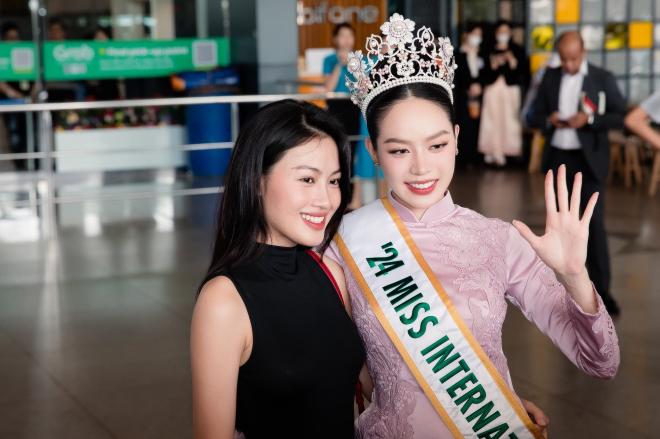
(306, 355)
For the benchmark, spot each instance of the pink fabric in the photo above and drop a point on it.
(500, 131)
(481, 263)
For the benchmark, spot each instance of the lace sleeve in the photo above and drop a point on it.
(588, 340)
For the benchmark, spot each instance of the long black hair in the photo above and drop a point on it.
(274, 129)
(386, 100)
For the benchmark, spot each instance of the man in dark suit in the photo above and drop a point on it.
(576, 105)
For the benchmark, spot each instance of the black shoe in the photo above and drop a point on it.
(611, 306)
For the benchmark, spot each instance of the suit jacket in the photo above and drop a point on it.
(598, 85)
(463, 80)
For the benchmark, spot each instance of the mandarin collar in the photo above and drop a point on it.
(279, 260)
(436, 212)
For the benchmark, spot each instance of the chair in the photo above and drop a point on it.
(632, 166)
(655, 174)
(536, 154)
(617, 140)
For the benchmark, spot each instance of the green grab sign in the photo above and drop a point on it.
(17, 62)
(71, 60)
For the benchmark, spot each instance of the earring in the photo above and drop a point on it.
(377, 163)
(456, 150)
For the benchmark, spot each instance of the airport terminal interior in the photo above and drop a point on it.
(102, 251)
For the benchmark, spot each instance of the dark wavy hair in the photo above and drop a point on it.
(261, 143)
(379, 106)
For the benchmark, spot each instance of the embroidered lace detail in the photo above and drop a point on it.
(604, 327)
(394, 397)
(474, 248)
(553, 288)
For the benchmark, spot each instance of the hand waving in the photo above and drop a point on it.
(563, 247)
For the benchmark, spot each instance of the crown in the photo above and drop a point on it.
(402, 58)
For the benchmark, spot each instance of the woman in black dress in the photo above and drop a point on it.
(468, 90)
(274, 352)
(506, 77)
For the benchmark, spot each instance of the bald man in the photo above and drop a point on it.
(576, 105)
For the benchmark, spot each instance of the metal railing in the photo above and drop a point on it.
(44, 180)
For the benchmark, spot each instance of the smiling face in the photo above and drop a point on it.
(301, 193)
(416, 148)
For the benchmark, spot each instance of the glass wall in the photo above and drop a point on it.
(620, 35)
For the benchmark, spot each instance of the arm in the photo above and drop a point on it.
(332, 71)
(588, 340)
(637, 121)
(540, 107)
(9, 91)
(547, 280)
(220, 342)
(332, 79)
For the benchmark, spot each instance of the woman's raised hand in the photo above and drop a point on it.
(563, 247)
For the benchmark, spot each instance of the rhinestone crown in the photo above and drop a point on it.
(402, 58)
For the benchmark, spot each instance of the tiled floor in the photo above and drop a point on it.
(94, 329)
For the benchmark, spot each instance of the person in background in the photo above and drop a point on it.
(15, 123)
(468, 91)
(507, 72)
(530, 96)
(102, 89)
(62, 91)
(639, 117)
(10, 32)
(56, 30)
(334, 72)
(576, 105)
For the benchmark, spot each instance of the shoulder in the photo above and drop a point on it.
(219, 302)
(221, 331)
(479, 222)
(330, 59)
(517, 49)
(465, 212)
(552, 72)
(335, 269)
(337, 273)
(599, 73)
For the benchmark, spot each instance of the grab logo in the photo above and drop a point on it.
(63, 53)
(320, 14)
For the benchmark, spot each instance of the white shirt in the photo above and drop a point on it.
(651, 106)
(570, 90)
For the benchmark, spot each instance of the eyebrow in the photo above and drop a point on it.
(313, 169)
(407, 142)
